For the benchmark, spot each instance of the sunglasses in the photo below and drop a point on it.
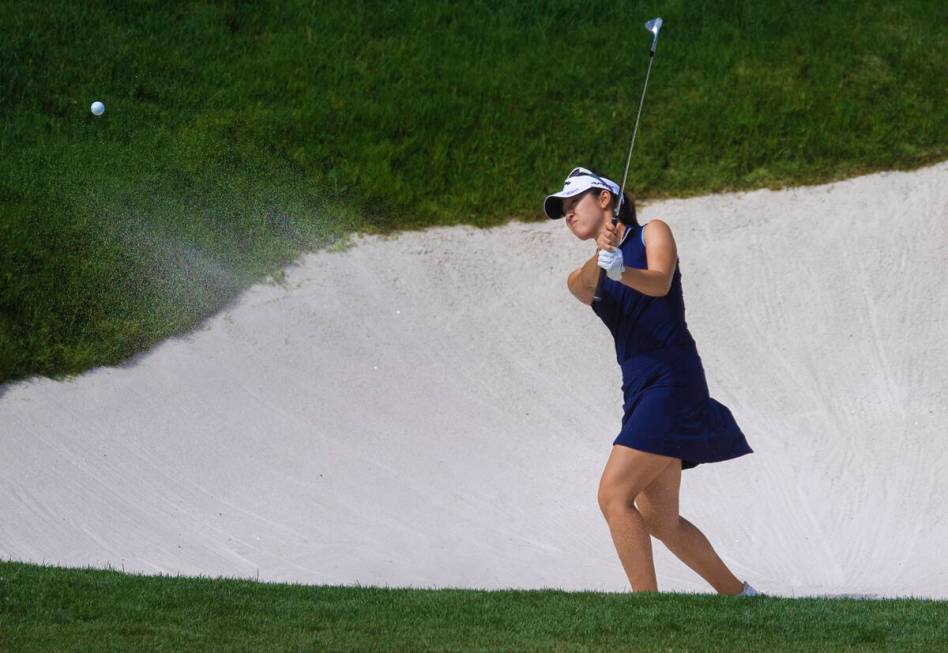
(585, 172)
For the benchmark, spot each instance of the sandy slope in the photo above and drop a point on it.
(435, 410)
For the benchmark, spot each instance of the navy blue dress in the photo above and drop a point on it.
(666, 409)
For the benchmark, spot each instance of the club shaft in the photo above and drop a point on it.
(635, 131)
(597, 295)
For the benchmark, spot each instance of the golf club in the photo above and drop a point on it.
(653, 26)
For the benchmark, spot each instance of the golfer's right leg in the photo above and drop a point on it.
(627, 472)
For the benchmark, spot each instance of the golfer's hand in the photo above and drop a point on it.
(612, 263)
(608, 237)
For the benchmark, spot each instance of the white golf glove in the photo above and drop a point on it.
(612, 263)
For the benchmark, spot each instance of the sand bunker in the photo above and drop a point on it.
(435, 410)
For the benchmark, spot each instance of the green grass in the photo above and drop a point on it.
(238, 134)
(47, 608)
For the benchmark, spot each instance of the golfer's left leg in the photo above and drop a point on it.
(658, 505)
(628, 471)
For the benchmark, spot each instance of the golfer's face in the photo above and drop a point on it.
(583, 215)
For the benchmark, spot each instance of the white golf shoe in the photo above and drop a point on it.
(749, 591)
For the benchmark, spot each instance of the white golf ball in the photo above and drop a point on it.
(98, 108)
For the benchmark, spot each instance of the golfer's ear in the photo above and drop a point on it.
(604, 197)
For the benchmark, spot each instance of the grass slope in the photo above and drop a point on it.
(238, 134)
(45, 608)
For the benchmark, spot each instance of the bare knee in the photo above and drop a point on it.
(611, 500)
(662, 527)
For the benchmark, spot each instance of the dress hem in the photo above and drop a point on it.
(682, 459)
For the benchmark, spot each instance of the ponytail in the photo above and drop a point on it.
(627, 212)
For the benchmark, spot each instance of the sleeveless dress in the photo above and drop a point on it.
(666, 409)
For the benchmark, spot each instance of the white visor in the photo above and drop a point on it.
(578, 181)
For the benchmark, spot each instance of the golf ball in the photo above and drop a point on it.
(98, 108)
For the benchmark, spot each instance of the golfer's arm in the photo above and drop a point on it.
(662, 256)
(582, 281)
(654, 283)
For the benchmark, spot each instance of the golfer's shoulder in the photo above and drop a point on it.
(658, 230)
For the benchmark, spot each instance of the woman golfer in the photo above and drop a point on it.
(670, 423)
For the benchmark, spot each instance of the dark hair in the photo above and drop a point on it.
(627, 212)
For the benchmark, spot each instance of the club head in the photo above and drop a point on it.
(653, 26)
